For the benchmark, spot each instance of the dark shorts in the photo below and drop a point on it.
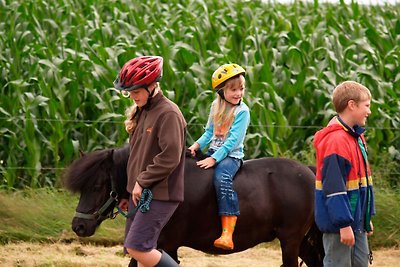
(143, 229)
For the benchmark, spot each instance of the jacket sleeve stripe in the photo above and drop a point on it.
(336, 194)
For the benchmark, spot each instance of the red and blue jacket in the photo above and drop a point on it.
(343, 187)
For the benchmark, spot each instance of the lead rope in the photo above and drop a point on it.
(364, 154)
(143, 205)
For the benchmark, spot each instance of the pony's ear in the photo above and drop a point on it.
(188, 154)
(111, 154)
(110, 158)
(200, 155)
(81, 153)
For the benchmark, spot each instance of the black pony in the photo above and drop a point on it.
(276, 197)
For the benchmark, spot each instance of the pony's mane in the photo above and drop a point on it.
(82, 172)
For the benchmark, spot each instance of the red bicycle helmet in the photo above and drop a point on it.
(139, 72)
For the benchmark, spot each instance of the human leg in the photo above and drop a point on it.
(228, 227)
(360, 250)
(145, 258)
(166, 261)
(336, 253)
(228, 204)
(161, 258)
(142, 235)
(224, 173)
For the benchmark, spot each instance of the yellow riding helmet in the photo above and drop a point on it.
(224, 73)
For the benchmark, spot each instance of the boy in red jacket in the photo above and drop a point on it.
(344, 199)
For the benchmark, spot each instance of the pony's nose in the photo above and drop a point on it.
(79, 229)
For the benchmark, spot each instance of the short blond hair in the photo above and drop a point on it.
(349, 90)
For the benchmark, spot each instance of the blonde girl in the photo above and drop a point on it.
(224, 134)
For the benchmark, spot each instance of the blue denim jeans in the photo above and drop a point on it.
(224, 174)
(339, 255)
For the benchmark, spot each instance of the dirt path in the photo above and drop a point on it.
(77, 255)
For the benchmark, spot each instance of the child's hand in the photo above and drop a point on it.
(123, 204)
(206, 163)
(193, 148)
(136, 193)
(347, 236)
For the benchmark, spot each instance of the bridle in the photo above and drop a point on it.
(109, 205)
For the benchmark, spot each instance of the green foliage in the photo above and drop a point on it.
(45, 215)
(58, 60)
(386, 175)
(386, 222)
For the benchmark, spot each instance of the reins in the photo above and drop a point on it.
(110, 204)
(143, 205)
(367, 216)
(113, 199)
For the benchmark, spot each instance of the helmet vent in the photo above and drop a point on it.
(139, 72)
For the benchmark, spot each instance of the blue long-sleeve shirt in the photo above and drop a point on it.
(232, 144)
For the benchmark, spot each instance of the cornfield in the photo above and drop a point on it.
(58, 60)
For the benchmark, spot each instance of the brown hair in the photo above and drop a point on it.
(349, 90)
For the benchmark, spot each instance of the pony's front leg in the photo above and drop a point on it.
(290, 253)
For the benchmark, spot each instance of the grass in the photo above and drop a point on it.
(386, 222)
(44, 215)
(28, 254)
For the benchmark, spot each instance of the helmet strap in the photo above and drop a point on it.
(220, 92)
(151, 94)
